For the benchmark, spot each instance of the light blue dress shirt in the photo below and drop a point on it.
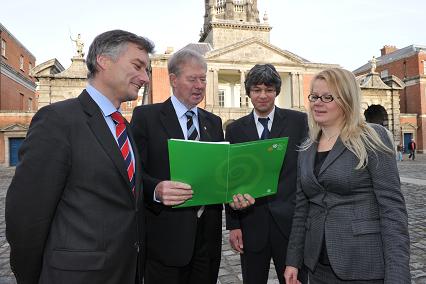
(107, 109)
(180, 110)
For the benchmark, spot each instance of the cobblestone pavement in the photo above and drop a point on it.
(413, 177)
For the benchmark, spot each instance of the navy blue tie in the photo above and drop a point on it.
(192, 131)
(265, 132)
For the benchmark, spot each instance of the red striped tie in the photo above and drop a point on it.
(124, 144)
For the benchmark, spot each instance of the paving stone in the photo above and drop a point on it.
(230, 269)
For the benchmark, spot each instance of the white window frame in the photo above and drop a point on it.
(21, 62)
(3, 47)
(221, 98)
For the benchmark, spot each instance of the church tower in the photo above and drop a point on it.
(230, 21)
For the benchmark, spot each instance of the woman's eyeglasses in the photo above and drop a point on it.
(324, 98)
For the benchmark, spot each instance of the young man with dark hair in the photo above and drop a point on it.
(261, 231)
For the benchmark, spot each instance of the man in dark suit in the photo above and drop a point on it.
(72, 209)
(261, 232)
(183, 245)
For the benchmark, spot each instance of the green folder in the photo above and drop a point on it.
(217, 171)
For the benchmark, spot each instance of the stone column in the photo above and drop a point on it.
(300, 102)
(209, 90)
(294, 89)
(215, 87)
(243, 94)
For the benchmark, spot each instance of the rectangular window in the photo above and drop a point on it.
(221, 96)
(220, 2)
(30, 66)
(30, 104)
(3, 48)
(21, 101)
(21, 62)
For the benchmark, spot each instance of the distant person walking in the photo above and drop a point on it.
(399, 151)
(412, 148)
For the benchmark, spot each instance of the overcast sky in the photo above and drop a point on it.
(345, 32)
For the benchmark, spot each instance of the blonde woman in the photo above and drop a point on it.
(350, 222)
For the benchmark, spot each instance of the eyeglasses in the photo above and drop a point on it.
(324, 98)
(258, 91)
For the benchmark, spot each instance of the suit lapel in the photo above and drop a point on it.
(101, 131)
(250, 129)
(138, 169)
(170, 121)
(335, 152)
(279, 125)
(205, 126)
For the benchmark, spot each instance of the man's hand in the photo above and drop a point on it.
(290, 275)
(241, 201)
(172, 192)
(236, 240)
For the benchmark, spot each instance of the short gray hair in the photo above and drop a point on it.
(182, 57)
(111, 44)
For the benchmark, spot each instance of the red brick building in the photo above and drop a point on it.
(17, 86)
(18, 99)
(409, 65)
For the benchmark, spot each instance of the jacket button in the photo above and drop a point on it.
(136, 245)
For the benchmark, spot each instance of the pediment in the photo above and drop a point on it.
(14, 128)
(47, 68)
(254, 50)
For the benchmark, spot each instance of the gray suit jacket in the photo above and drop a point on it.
(70, 214)
(361, 213)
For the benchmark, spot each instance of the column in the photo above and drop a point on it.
(209, 90)
(243, 94)
(215, 87)
(301, 100)
(294, 89)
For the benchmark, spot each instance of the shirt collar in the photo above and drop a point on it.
(270, 115)
(103, 102)
(180, 108)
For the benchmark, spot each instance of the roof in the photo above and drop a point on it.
(393, 56)
(3, 29)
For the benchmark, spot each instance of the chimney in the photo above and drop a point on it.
(388, 49)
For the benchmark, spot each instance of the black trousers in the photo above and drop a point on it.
(255, 264)
(196, 272)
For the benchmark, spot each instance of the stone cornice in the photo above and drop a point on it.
(240, 25)
(17, 77)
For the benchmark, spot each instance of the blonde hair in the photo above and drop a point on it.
(357, 136)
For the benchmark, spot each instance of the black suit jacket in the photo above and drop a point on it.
(254, 220)
(170, 231)
(70, 214)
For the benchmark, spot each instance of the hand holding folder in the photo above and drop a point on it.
(218, 171)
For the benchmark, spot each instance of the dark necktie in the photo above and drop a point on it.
(124, 144)
(192, 131)
(265, 132)
(193, 135)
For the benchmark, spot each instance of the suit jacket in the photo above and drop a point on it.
(361, 213)
(70, 214)
(254, 221)
(170, 231)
